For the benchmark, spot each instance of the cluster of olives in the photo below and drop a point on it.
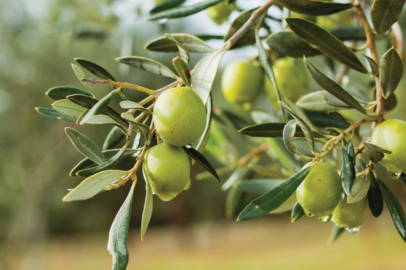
(319, 195)
(180, 118)
(242, 83)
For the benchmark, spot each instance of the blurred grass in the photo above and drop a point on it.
(269, 243)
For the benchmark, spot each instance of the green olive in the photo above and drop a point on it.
(319, 193)
(179, 116)
(292, 78)
(241, 84)
(351, 215)
(391, 135)
(167, 169)
(219, 13)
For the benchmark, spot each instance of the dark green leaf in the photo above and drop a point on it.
(118, 235)
(87, 163)
(325, 42)
(98, 108)
(148, 206)
(347, 172)
(85, 146)
(249, 36)
(113, 138)
(147, 65)
(297, 212)
(287, 43)
(395, 210)
(337, 116)
(375, 199)
(89, 102)
(183, 70)
(274, 198)
(391, 71)
(350, 151)
(372, 64)
(349, 33)
(166, 5)
(189, 42)
(179, 12)
(61, 92)
(322, 119)
(335, 233)
(95, 69)
(384, 13)
(196, 155)
(374, 152)
(51, 113)
(272, 130)
(313, 7)
(332, 87)
(93, 185)
(204, 73)
(390, 102)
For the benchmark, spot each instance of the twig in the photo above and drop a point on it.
(120, 84)
(257, 151)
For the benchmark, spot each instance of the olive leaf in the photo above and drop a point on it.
(199, 158)
(274, 198)
(347, 172)
(182, 68)
(113, 138)
(325, 42)
(101, 119)
(391, 71)
(395, 209)
(93, 185)
(332, 87)
(85, 146)
(314, 7)
(384, 13)
(51, 113)
(374, 152)
(61, 92)
(273, 129)
(166, 5)
(335, 233)
(297, 212)
(375, 199)
(81, 75)
(95, 69)
(289, 135)
(204, 73)
(359, 189)
(201, 144)
(184, 54)
(148, 206)
(349, 33)
(249, 37)
(188, 41)
(287, 43)
(118, 235)
(147, 65)
(98, 108)
(68, 108)
(179, 12)
(372, 64)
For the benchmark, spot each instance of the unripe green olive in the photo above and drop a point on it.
(167, 168)
(179, 116)
(242, 84)
(219, 13)
(319, 193)
(292, 78)
(351, 215)
(391, 135)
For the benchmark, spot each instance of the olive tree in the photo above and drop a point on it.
(312, 153)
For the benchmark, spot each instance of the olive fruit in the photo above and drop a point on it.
(351, 215)
(292, 78)
(167, 169)
(242, 84)
(390, 135)
(179, 116)
(319, 193)
(219, 13)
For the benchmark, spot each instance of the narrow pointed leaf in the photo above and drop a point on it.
(183, 70)
(347, 172)
(204, 73)
(325, 42)
(274, 198)
(98, 108)
(179, 12)
(249, 37)
(68, 108)
(297, 212)
(147, 65)
(375, 199)
(148, 206)
(95, 69)
(113, 138)
(196, 155)
(85, 146)
(372, 64)
(81, 75)
(335, 233)
(384, 13)
(391, 71)
(316, 101)
(93, 185)
(273, 130)
(61, 92)
(349, 148)
(287, 43)
(395, 209)
(118, 235)
(188, 41)
(314, 7)
(359, 189)
(51, 113)
(100, 119)
(332, 87)
(184, 54)
(166, 5)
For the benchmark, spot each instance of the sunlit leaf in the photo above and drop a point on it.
(189, 42)
(81, 75)
(68, 108)
(147, 65)
(148, 206)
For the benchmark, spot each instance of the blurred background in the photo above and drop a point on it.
(38, 41)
